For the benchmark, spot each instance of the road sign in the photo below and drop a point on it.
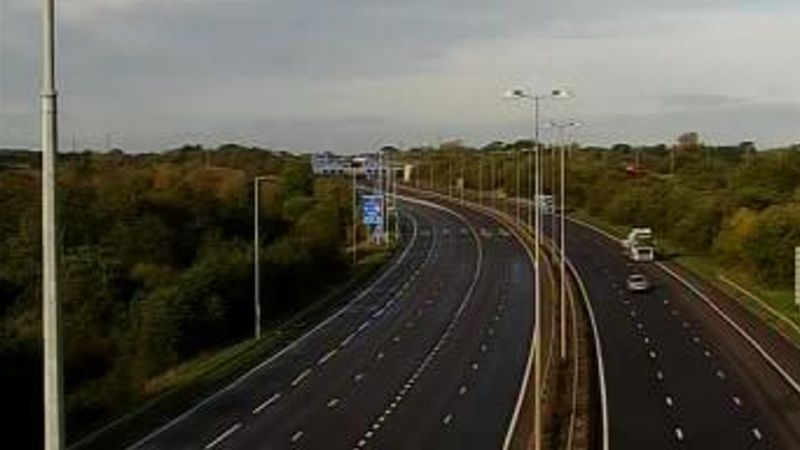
(373, 211)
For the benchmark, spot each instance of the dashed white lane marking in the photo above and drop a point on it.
(652, 354)
(736, 400)
(707, 353)
(301, 377)
(266, 403)
(361, 443)
(224, 435)
(679, 433)
(668, 400)
(474, 366)
(462, 390)
(368, 434)
(660, 375)
(297, 436)
(720, 374)
(396, 339)
(358, 377)
(483, 347)
(757, 434)
(333, 402)
(646, 340)
(380, 355)
(696, 339)
(447, 419)
(640, 326)
(347, 340)
(326, 357)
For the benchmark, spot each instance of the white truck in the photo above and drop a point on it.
(639, 245)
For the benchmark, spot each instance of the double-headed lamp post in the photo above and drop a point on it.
(521, 94)
(561, 145)
(257, 254)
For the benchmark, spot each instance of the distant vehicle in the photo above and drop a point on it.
(639, 245)
(638, 283)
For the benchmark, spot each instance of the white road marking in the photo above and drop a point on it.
(224, 435)
(720, 374)
(652, 354)
(679, 433)
(363, 326)
(333, 402)
(474, 366)
(660, 375)
(462, 390)
(266, 403)
(757, 434)
(358, 377)
(296, 437)
(301, 377)
(447, 419)
(347, 340)
(378, 313)
(736, 400)
(669, 401)
(396, 339)
(326, 357)
(380, 355)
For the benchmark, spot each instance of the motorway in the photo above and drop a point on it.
(431, 355)
(678, 375)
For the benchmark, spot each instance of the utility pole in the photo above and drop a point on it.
(54, 438)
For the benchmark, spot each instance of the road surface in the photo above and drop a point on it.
(678, 375)
(431, 356)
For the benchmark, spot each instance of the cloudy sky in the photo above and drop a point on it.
(346, 74)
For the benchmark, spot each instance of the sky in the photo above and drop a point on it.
(350, 75)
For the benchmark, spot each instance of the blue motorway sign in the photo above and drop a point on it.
(373, 211)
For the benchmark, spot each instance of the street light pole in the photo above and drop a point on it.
(257, 254)
(54, 438)
(521, 94)
(355, 213)
(561, 145)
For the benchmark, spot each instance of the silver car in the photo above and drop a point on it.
(638, 283)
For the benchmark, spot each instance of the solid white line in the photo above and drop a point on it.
(277, 355)
(301, 377)
(601, 370)
(326, 357)
(266, 403)
(766, 305)
(363, 326)
(224, 435)
(794, 384)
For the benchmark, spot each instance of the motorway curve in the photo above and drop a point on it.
(677, 375)
(431, 355)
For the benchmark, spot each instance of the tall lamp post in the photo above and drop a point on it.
(257, 254)
(54, 438)
(520, 94)
(561, 145)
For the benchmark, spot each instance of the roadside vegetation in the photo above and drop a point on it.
(156, 271)
(728, 210)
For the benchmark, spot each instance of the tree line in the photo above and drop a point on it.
(155, 267)
(734, 204)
